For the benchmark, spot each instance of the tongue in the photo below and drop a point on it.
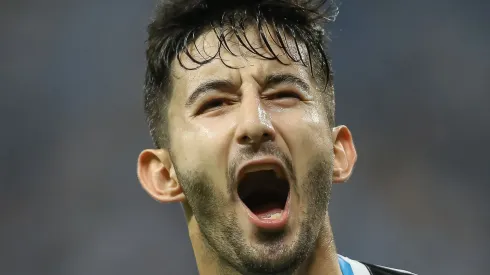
(268, 211)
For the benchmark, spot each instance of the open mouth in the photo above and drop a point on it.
(265, 193)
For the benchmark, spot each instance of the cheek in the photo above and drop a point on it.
(316, 123)
(307, 137)
(305, 130)
(214, 129)
(211, 138)
(203, 147)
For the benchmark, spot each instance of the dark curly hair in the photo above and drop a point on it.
(178, 23)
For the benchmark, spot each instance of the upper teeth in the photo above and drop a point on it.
(265, 167)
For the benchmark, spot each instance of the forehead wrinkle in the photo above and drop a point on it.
(208, 44)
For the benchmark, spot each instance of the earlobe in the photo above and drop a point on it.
(345, 154)
(157, 176)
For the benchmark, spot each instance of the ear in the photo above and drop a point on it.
(157, 176)
(345, 154)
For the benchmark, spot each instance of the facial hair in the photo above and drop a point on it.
(219, 226)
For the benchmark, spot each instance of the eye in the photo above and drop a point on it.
(285, 95)
(213, 104)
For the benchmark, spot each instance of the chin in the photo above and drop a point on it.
(277, 258)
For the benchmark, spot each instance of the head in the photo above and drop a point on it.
(239, 99)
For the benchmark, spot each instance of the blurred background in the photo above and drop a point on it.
(412, 83)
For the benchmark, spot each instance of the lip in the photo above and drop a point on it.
(273, 224)
(255, 164)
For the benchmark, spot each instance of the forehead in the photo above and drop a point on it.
(209, 56)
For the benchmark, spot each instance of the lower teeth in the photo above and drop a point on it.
(271, 216)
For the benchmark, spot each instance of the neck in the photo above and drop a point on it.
(323, 259)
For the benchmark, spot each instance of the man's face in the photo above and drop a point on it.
(257, 115)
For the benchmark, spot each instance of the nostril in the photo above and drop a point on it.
(247, 139)
(268, 136)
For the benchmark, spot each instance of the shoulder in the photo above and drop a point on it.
(382, 270)
(362, 268)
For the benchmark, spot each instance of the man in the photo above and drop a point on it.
(240, 102)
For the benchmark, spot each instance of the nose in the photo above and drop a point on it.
(254, 123)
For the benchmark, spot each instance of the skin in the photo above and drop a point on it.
(245, 119)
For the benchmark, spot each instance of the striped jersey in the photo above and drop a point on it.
(352, 267)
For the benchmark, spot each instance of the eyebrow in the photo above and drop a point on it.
(206, 87)
(285, 78)
(223, 84)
